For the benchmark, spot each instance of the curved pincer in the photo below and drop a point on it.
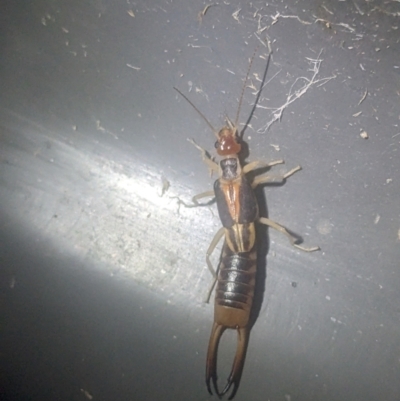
(238, 363)
(212, 353)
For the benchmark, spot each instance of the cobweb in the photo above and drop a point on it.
(305, 84)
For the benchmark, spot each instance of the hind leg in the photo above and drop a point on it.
(293, 240)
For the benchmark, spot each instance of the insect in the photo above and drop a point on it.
(235, 276)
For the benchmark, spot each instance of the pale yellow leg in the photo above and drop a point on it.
(292, 239)
(210, 250)
(202, 195)
(259, 164)
(264, 179)
(195, 199)
(207, 300)
(206, 158)
(291, 172)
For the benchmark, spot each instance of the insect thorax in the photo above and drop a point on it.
(230, 168)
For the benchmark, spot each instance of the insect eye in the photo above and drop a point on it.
(216, 144)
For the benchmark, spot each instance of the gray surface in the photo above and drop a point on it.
(103, 278)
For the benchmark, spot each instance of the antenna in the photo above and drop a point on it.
(201, 114)
(244, 86)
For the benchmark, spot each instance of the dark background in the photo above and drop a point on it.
(103, 275)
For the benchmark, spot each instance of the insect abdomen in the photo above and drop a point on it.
(235, 288)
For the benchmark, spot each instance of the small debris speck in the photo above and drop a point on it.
(87, 394)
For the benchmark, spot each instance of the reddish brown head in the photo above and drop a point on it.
(227, 143)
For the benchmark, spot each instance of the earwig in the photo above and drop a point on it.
(235, 277)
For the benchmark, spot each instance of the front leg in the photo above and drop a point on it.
(212, 166)
(206, 157)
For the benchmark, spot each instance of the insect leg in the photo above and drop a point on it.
(292, 239)
(264, 179)
(206, 157)
(195, 198)
(202, 195)
(291, 172)
(210, 250)
(259, 164)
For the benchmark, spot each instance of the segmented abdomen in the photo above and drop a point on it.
(235, 286)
